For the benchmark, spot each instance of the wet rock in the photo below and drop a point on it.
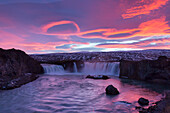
(111, 90)
(162, 106)
(138, 107)
(17, 68)
(143, 101)
(105, 77)
(98, 77)
(89, 76)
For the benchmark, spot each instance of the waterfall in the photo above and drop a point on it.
(53, 69)
(90, 68)
(101, 68)
(75, 67)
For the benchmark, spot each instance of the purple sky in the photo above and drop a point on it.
(47, 26)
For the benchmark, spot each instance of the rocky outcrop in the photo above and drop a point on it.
(104, 77)
(162, 106)
(17, 68)
(149, 70)
(111, 90)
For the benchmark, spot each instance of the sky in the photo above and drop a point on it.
(57, 26)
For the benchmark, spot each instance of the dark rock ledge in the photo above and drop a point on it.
(17, 68)
(148, 70)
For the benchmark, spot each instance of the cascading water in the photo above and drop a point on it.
(90, 68)
(53, 69)
(101, 68)
(75, 67)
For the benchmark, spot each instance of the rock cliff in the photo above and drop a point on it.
(17, 68)
(149, 70)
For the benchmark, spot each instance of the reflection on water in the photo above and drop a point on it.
(73, 94)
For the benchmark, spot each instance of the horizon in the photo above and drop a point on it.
(102, 51)
(73, 26)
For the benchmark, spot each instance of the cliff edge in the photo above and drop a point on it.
(17, 68)
(147, 70)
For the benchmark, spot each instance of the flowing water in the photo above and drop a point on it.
(75, 94)
(53, 69)
(75, 68)
(103, 68)
(96, 68)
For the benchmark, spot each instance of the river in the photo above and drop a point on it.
(76, 94)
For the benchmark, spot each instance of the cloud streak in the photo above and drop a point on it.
(64, 22)
(138, 9)
(146, 44)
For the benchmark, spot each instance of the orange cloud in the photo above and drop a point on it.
(130, 31)
(154, 27)
(144, 9)
(52, 24)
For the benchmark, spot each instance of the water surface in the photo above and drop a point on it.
(75, 94)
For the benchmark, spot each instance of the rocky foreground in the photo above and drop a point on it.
(17, 68)
(162, 106)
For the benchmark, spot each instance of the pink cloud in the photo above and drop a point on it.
(146, 8)
(64, 22)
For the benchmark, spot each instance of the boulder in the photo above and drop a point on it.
(143, 101)
(17, 68)
(111, 90)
